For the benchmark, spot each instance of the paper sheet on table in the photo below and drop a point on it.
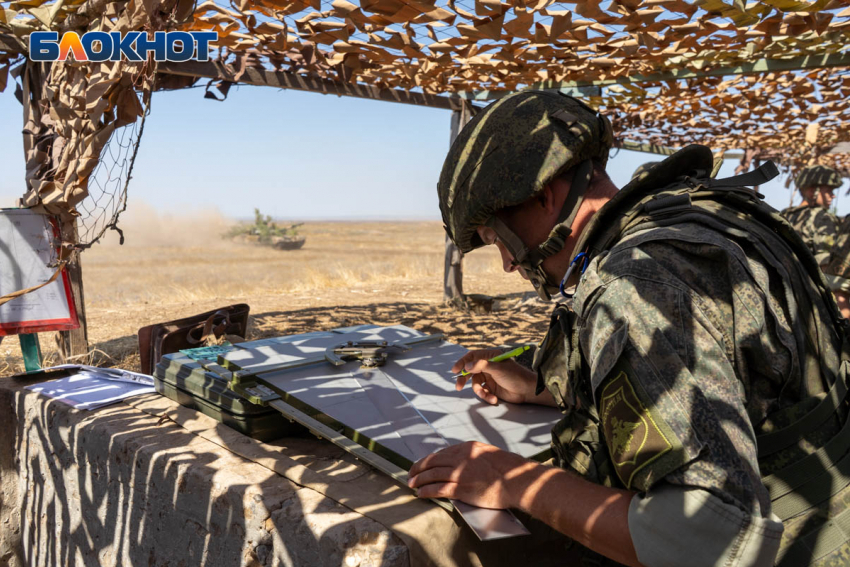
(88, 390)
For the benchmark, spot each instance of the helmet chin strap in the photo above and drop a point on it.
(532, 260)
(543, 284)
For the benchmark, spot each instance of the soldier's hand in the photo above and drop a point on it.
(475, 473)
(494, 381)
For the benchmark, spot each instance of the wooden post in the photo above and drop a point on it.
(453, 266)
(74, 344)
(453, 270)
(40, 137)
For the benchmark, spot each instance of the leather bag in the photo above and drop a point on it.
(190, 332)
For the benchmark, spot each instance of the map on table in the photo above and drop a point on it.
(409, 405)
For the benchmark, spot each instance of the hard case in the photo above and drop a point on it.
(184, 380)
(181, 377)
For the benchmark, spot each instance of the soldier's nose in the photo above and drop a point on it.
(507, 260)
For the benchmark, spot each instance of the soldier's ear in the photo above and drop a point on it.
(546, 198)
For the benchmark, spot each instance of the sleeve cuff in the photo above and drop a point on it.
(674, 526)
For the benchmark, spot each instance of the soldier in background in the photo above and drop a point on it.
(701, 365)
(824, 233)
(837, 270)
(811, 218)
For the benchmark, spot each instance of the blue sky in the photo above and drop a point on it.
(294, 155)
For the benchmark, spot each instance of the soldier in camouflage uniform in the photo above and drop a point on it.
(812, 218)
(701, 369)
(837, 269)
(822, 231)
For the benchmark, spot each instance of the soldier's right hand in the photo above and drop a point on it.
(493, 381)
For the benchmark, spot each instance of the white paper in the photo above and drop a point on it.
(90, 390)
(25, 255)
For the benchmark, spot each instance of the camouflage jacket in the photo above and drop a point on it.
(696, 324)
(837, 269)
(693, 340)
(817, 226)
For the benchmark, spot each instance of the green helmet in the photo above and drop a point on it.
(644, 169)
(506, 155)
(818, 176)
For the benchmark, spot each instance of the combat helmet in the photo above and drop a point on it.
(817, 176)
(506, 155)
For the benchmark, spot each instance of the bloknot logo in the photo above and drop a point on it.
(99, 46)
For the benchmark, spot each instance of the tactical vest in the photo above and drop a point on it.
(674, 192)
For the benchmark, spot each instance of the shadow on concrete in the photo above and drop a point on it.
(117, 486)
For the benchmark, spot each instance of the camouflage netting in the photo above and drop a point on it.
(81, 121)
(74, 115)
(663, 70)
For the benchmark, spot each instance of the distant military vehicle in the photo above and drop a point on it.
(266, 232)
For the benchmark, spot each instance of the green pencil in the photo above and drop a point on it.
(504, 356)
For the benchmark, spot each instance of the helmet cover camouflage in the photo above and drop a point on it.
(818, 176)
(643, 169)
(508, 153)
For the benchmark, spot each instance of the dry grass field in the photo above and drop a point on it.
(347, 273)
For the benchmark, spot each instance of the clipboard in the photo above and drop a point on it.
(28, 259)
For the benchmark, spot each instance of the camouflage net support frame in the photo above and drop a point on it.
(771, 76)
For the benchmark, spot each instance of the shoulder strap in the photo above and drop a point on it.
(754, 178)
(628, 211)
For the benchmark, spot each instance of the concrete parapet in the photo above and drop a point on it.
(156, 484)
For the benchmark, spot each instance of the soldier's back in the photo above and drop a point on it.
(725, 335)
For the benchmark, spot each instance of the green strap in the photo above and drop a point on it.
(816, 490)
(31, 351)
(818, 544)
(795, 475)
(514, 243)
(769, 443)
(669, 203)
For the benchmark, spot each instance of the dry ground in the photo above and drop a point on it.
(347, 273)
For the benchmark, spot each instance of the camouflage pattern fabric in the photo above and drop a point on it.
(691, 338)
(818, 228)
(729, 323)
(837, 269)
(817, 176)
(576, 440)
(649, 323)
(508, 153)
